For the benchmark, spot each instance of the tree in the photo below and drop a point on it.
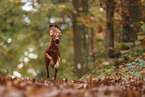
(130, 19)
(109, 28)
(77, 39)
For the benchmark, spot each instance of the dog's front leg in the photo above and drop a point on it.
(50, 59)
(56, 68)
(57, 63)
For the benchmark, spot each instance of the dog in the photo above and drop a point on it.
(52, 52)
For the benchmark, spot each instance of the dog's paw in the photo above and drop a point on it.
(51, 62)
(56, 66)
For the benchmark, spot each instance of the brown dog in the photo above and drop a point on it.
(52, 52)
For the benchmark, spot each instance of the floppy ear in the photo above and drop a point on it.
(51, 29)
(58, 29)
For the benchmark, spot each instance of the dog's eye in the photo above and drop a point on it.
(54, 36)
(58, 35)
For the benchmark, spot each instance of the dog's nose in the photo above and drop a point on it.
(57, 39)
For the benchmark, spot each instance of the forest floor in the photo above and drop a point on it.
(63, 88)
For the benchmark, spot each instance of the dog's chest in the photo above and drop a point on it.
(54, 53)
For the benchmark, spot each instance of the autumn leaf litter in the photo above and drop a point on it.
(63, 88)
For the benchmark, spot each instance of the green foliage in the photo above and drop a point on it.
(12, 22)
(130, 65)
(24, 36)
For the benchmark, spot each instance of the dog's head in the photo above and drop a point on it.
(56, 33)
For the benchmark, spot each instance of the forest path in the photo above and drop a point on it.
(63, 88)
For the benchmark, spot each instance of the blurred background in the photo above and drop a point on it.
(101, 37)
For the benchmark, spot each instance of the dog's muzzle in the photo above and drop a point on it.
(56, 42)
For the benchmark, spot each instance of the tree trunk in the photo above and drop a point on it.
(109, 28)
(77, 41)
(131, 15)
(85, 31)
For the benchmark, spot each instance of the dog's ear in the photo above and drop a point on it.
(51, 29)
(58, 29)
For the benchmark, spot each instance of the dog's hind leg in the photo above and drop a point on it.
(47, 66)
(55, 75)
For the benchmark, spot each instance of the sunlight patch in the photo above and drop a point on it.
(28, 6)
(87, 36)
(41, 44)
(26, 59)
(30, 49)
(101, 9)
(26, 53)
(20, 65)
(64, 26)
(63, 60)
(9, 40)
(32, 71)
(79, 65)
(27, 20)
(33, 56)
(16, 74)
(52, 20)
